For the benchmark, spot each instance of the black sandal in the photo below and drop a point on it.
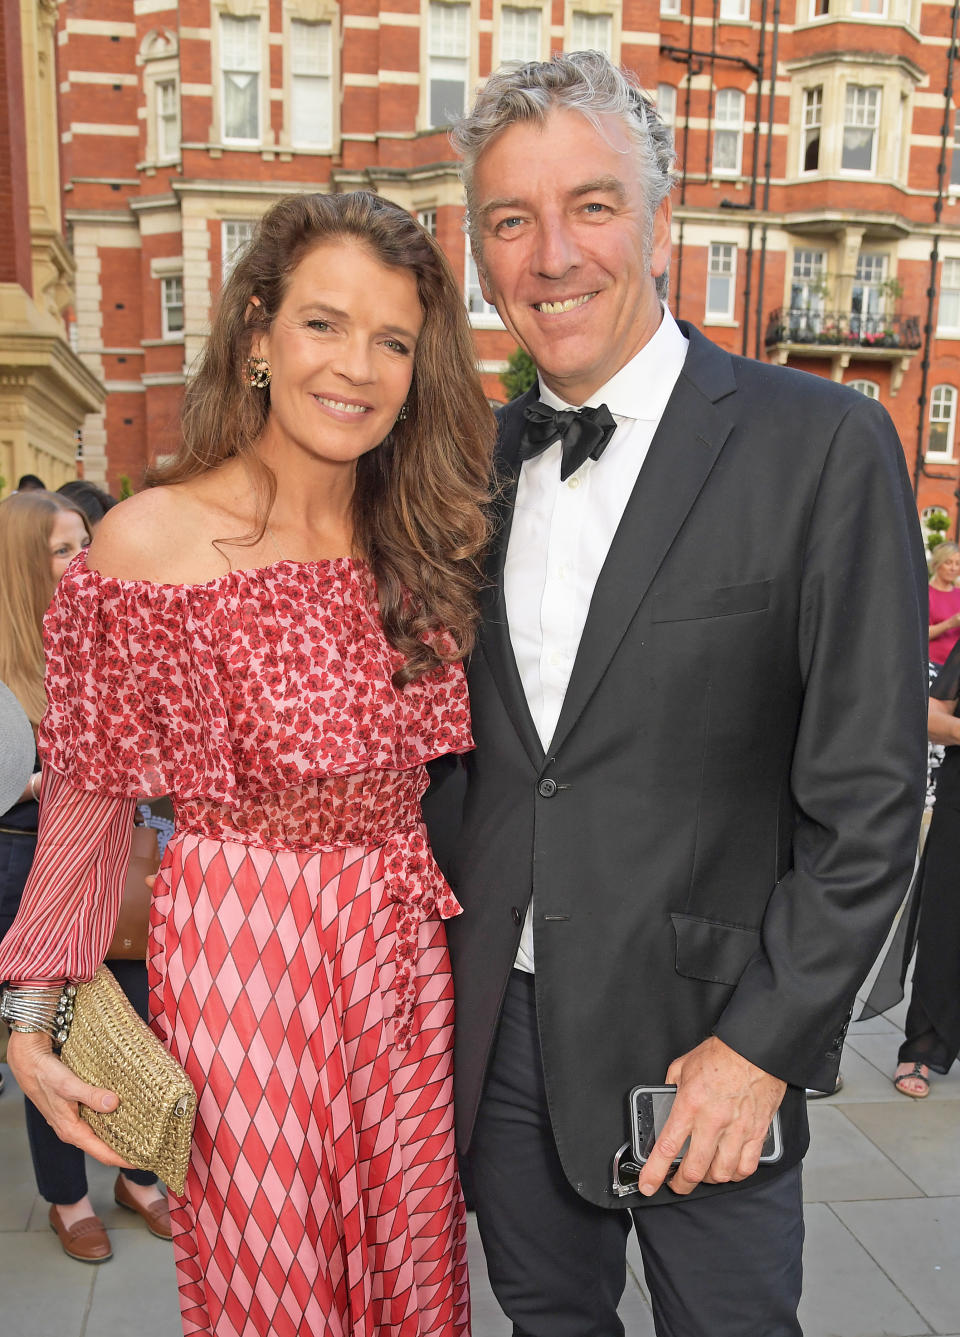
(915, 1074)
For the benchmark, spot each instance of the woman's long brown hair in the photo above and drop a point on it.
(26, 588)
(420, 504)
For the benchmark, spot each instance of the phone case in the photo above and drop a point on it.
(649, 1107)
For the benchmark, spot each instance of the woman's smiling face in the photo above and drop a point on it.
(341, 352)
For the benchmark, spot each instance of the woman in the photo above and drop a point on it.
(944, 602)
(944, 619)
(40, 533)
(273, 637)
(932, 1028)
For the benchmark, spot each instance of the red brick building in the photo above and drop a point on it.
(45, 390)
(817, 214)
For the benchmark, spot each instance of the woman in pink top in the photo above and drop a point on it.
(272, 635)
(944, 601)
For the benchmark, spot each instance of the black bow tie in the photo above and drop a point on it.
(584, 434)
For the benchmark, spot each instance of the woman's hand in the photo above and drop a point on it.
(938, 629)
(56, 1092)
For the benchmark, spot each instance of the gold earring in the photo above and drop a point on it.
(404, 413)
(258, 372)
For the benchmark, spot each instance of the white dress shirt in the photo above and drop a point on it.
(561, 534)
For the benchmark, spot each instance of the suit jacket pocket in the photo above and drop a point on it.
(687, 605)
(708, 950)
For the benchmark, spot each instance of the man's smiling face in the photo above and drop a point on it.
(567, 254)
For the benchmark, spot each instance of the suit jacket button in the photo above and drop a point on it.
(517, 916)
(547, 788)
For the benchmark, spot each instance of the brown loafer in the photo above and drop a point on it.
(157, 1215)
(87, 1241)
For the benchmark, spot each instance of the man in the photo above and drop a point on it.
(699, 713)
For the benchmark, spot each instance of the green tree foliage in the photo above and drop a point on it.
(519, 375)
(126, 487)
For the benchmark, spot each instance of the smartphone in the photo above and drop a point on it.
(649, 1108)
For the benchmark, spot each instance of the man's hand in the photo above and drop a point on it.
(724, 1104)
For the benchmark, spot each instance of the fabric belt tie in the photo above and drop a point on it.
(414, 882)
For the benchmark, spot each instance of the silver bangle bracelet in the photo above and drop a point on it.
(28, 1010)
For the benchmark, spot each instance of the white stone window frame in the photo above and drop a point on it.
(897, 80)
(543, 47)
(949, 283)
(906, 13)
(312, 11)
(870, 389)
(872, 270)
(868, 15)
(240, 9)
(670, 9)
(667, 104)
(725, 125)
(427, 218)
(482, 314)
(809, 103)
(472, 58)
(809, 263)
(953, 186)
(228, 257)
(716, 316)
(734, 11)
(167, 119)
(595, 9)
(159, 56)
(943, 409)
(168, 333)
(866, 124)
(806, 282)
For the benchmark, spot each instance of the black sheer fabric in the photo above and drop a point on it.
(930, 922)
(887, 989)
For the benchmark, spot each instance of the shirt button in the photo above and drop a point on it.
(573, 483)
(547, 788)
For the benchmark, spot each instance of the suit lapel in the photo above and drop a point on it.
(497, 647)
(685, 447)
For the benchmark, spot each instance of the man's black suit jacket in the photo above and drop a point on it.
(724, 823)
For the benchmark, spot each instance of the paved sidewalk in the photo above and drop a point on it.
(883, 1226)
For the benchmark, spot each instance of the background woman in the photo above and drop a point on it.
(273, 636)
(932, 1027)
(40, 533)
(944, 619)
(944, 602)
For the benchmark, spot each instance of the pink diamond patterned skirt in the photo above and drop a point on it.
(307, 992)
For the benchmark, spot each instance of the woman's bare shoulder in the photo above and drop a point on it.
(159, 535)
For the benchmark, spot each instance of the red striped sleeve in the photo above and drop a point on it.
(71, 901)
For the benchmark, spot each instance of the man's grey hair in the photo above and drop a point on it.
(583, 81)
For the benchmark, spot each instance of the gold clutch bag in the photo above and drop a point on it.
(108, 1045)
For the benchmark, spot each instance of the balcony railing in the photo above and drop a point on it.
(842, 329)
